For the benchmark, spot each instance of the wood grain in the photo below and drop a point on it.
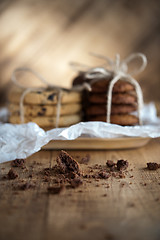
(131, 209)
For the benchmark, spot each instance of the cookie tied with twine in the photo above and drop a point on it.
(48, 86)
(115, 70)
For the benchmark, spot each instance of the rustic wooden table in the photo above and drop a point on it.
(128, 209)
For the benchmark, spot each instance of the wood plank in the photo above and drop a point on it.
(131, 209)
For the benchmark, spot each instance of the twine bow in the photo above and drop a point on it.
(118, 70)
(48, 86)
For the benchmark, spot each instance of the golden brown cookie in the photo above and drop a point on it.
(45, 110)
(48, 122)
(48, 97)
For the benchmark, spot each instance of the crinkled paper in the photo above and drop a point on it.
(22, 140)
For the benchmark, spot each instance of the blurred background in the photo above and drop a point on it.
(48, 34)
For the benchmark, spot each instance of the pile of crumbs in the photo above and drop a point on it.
(67, 173)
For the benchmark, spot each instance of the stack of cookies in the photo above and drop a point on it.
(41, 107)
(124, 101)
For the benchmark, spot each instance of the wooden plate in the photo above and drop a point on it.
(98, 143)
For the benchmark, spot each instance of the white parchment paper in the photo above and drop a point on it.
(22, 140)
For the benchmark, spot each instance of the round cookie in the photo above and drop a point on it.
(102, 84)
(45, 110)
(123, 119)
(119, 87)
(48, 122)
(117, 98)
(101, 109)
(49, 97)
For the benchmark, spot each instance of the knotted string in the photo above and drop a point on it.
(117, 70)
(41, 89)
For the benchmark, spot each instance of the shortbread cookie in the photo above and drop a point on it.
(45, 110)
(117, 98)
(49, 122)
(123, 119)
(101, 109)
(49, 97)
(102, 84)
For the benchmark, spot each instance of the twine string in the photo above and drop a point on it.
(58, 107)
(48, 85)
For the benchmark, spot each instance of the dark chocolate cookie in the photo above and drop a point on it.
(117, 98)
(120, 119)
(102, 84)
(119, 87)
(101, 109)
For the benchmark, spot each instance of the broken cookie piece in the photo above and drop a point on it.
(12, 174)
(153, 166)
(122, 165)
(67, 164)
(76, 182)
(18, 163)
(110, 163)
(104, 175)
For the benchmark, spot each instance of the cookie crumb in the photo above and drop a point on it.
(104, 174)
(47, 172)
(110, 163)
(122, 165)
(12, 174)
(55, 189)
(76, 182)
(104, 195)
(153, 166)
(121, 175)
(85, 159)
(18, 163)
